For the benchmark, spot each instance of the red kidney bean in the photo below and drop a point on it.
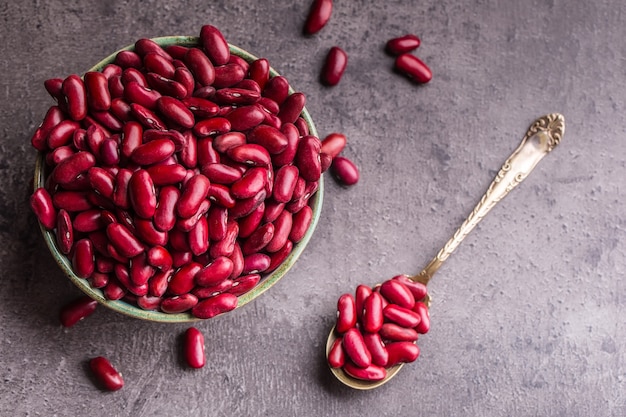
(272, 210)
(269, 137)
(212, 126)
(371, 373)
(65, 232)
(333, 144)
(75, 93)
(148, 302)
(401, 316)
(153, 152)
(142, 194)
(228, 75)
(234, 59)
(94, 139)
(355, 348)
(200, 66)
(156, 63)
(99, 200)
(110, 152)
(268, 105)
(147, 232)
(220, 194)
(146, 117)
(123, 240)
(106, 374)
(278, 257)
(301, 222)
(98, 279)
(291, 108)
(221, 174)
(258, 239)
(236, 257)
(132, 136)
(424, 324)
(184, 77)
(402, 44)
(200, 107)
(72, 201)
(215, 272)
(158, 257)
(336, 355)
(145, 46)
(282, 228)
(189, 154)
(194, 348)
(285, 183)
(77, 310)
(180, 140)
(101, 181)
(179, 303)
(133, 75)
(199, 237)
(376, 347)
(418, 289)
(325, 161)
(190, 222)
(223, 143)
(256, 263)
(158, 283)
(183, 280)
(246, 206)
(175, 111)
(213, 306)
(250, 154)
(259, 71)
(107, 119)
(208, 292)
(372, 317)
(54, 86)
(196, 190)
(318, 16)
(57, 155)
(250, 183)
(97, 88)
(88, 221)
(286, 157)
(166, 174)
(116, 88)
(396, 292)
(245, 117)
(361, 294)
(402, 352)
(167, 86)
(344, 171)
(136, 93)
(120, 194)
(346, 313)
(307, 158)
(83, 261)
(395, 332)
(53, 117)
(165, 212)
(111, 70)
(61, 134)
(414, 68)
(43, 207)
(334, 66)
(79, 139)
(243, 284)
(214, 45)
(236, 96)
(249, 223)
(140, 270)
(176, 51)
(128, 59)
(277, 89)
(207, 91)
(113, 290)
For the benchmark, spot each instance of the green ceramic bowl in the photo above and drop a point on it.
(132, 310)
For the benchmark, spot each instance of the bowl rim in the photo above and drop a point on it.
(134, 311)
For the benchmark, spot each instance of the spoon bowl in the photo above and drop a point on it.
(542, 136)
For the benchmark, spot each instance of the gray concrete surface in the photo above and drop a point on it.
(528, 317)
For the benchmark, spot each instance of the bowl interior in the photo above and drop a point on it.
(132, 310)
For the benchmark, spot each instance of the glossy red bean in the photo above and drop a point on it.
(277, 89)
(401, 352)
(116, 89)
(402, 44)
(75, 94)
(158, 257)
(418, 289)
(355, 348)
(269, 137)
(334, 66)
(346, 313)
(140, 270)
(228, 75)
(285, 183)
(111, 70)
(145, 46)
(344, 171)
(64, 232)
(167, 87)
(97, 88)
(176, 51)
(215, 272)
(414, 68)
(361, 294)
(301, 222)
(101, 181)
(88, 221)
(123, 240)
(258, 239)
(424, 325)
(136, 93)
(142, 194)
(272, 210)
(336, 355)
(220, 173)
(395, 332)
(249, 223)
(372, 317)
(128, 59)
(245, 117)
(184, 77)
(106, 374)
(183, 280)
(282, 229)
(147, 232)
(333, 144)
(194, 192)
(61, 134)
(278, 257)
(259, 71)
(113, 290)
(307, 158)
(291, 108)
(250, 154)
(199, 237)
(153, 152)
(214, 306)
(158, 283)
(376, 347)
(148, 302)
(243, 284)
(256, 263)
(212, 126)
(43, 207)
(72, 201)
(250, 183)
(166, 174)
(200, 66)
(120, 194)
(83, 261)
(200, 107)
(77, 310)
(401, 316)
(156, 63)
(318, 16)
(236, 96)
(110, 152)
(220, 194)
(53, 117)
(175, 111)
(223, 143)
(371, 373)
(179, 303)
(214, 45)
(194, 350)
(146, 117)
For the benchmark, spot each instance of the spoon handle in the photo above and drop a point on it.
(542, 136)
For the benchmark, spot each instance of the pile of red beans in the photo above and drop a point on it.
(177, 176)
(378, 328)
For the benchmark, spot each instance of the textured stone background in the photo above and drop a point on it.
(528, 317)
